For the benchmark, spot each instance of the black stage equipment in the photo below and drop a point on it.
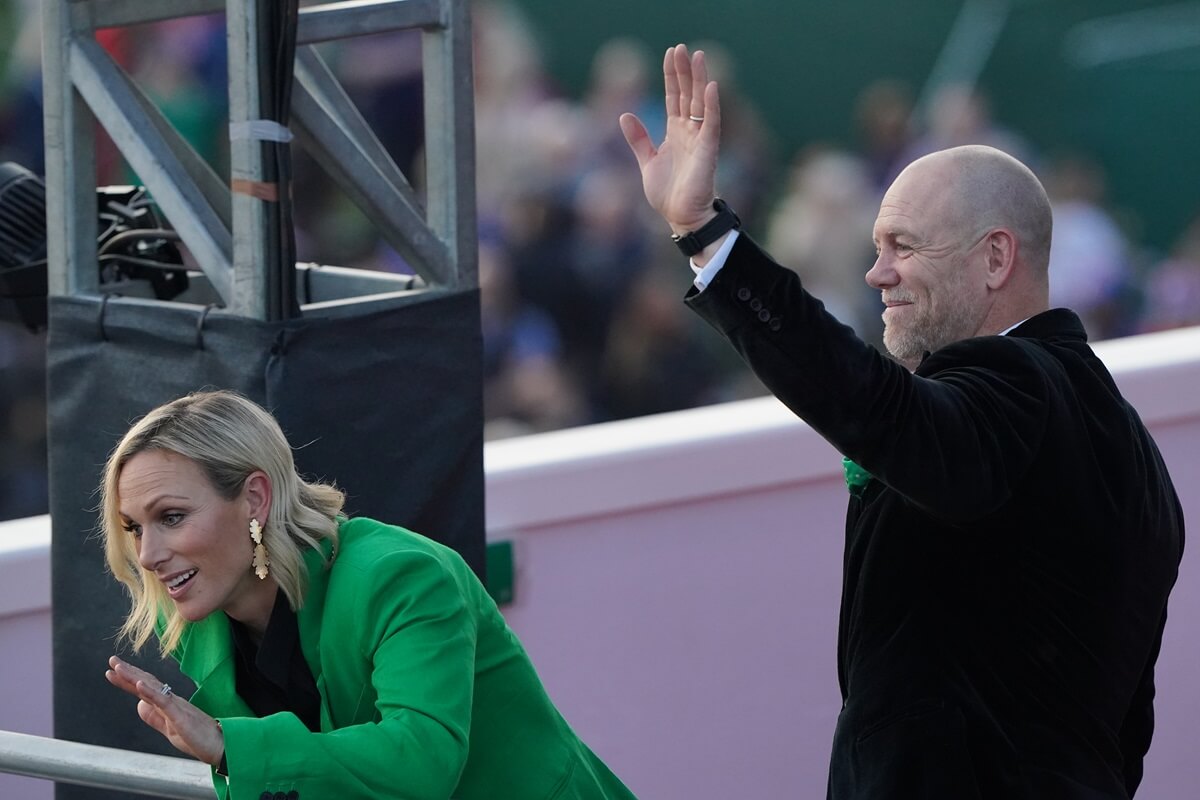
(134, 243)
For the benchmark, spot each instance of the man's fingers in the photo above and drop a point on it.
(671, 81)
(638, 139)
(711, 132)
(683, 73)
(700, 85)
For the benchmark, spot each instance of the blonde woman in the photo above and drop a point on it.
(333, 657)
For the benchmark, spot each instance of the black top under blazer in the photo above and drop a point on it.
(1006, 569)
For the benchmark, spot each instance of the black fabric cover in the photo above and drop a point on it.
(381, 397)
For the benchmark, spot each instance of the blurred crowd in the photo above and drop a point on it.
(580, 285)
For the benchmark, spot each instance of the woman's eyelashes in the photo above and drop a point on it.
(168, 519)
(172, 518)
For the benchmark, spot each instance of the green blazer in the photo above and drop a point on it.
(425, 692)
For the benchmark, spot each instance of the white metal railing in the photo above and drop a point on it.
(104, 767)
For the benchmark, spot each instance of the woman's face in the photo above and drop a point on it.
(193, 540)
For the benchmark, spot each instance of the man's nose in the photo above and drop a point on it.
(881, 275)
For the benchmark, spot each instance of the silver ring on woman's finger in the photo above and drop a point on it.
(694, 118)
(166, 690)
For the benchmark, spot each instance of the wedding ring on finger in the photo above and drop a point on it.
(166, 690)
(694, 118)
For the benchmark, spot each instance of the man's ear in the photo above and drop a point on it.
(258, 495)
(1000, 250)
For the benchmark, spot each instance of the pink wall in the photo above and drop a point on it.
(693, 646)
(25, 669)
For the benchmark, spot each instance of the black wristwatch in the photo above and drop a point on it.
(715, 228)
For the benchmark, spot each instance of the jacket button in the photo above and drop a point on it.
(764, 315)
(281, 796)
(266, 796)
(775, 324)
(293, 795)
(755, 304)
(743, 294)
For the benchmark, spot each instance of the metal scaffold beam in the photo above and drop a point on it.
(226, 232)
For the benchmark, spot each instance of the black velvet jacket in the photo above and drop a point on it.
(1006, 570)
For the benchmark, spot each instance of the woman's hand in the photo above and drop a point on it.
(678, 177)
(186, 727)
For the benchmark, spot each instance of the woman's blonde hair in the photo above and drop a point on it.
(228, 437)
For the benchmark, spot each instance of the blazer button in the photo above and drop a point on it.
(281, 796)
(293, 795)
(775, 324)
(764, 315)
(266, 796)
(755, 304)
(743, 294)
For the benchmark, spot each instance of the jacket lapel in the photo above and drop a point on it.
(208, 660)
(308, 621)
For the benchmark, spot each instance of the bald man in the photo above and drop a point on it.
(1012, 533)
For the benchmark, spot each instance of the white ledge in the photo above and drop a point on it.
(607, 469)
(24, 566)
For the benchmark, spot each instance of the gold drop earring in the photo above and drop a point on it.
(261, 561)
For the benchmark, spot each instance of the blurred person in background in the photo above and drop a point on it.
(24, 482)
(960, 114)
(1090, 269)
(21, 84)
(821, 228)
(619, 79)
(525, 388)
(1172, 293)
(654, 360)
(883, 121)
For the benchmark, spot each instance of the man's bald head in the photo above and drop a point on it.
(985, 188)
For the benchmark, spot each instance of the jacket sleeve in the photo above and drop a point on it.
(412, 622)
(954, 439)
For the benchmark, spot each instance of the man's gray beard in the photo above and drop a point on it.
(925, 336)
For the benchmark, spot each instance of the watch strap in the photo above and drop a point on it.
(695, 241)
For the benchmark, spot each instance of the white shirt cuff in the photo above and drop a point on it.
(705, 274)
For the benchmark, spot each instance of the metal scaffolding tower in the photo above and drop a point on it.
(378, 376)
(223, 229)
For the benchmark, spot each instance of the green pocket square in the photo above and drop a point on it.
(857, 478)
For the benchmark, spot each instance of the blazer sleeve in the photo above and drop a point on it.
(413, 623)
(954, 438)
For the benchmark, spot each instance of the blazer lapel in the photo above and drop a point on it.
(308, 621)
(208, 660)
